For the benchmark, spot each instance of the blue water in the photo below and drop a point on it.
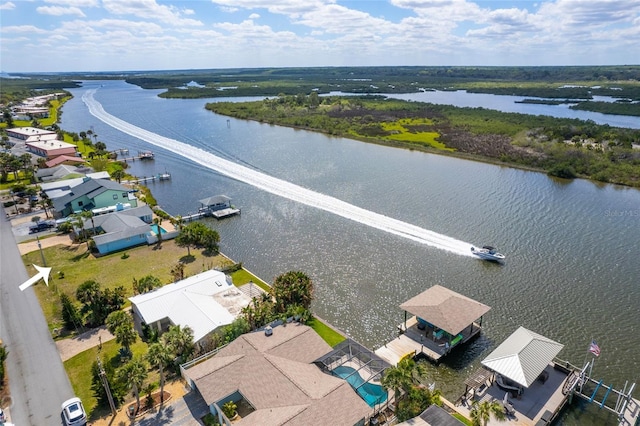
(372, 394)
(571, 272)
(155, 227)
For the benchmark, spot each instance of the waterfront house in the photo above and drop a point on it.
(273, 381)
(203, 302)
(121, 229)
(92, 194)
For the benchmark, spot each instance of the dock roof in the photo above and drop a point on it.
(216, 199)
(445, 309)
(522, 356)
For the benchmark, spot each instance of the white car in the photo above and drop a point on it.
(73, 412)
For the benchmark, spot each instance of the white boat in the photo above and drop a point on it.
(488, 253)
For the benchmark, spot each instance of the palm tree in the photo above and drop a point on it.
(117, 174)
(161, 356)
(481, 412)
(293, 288)
(177, 221)
(87, 214)
(78, 222)
(133, 374)
(403, 376)
(157, 221)
(180, 341)
(120, 324)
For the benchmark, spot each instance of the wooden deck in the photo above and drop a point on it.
(219, 214)
(539, 402)
(414, 340)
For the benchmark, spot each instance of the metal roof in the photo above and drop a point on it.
(203, 302)
(522, 356)
(445, 309)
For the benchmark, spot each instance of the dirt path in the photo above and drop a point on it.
(71, 347)
(30, 246)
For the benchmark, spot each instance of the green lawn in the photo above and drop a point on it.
(327, 333)
(79, 371)
(242, 276)
(110, 271)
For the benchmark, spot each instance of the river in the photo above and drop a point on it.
(572, 267)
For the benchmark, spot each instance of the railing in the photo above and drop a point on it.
(184, 367)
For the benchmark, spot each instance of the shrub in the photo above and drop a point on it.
(230, 409)
(563, 171)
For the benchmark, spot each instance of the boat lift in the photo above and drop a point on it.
(590, 394)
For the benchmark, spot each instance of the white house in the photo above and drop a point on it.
(202, 302)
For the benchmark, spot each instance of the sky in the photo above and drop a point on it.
(132, 35)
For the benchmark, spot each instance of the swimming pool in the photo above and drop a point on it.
(155, 227)
(373, 394)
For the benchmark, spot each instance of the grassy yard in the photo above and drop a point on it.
(79, 371)
(327, 333)
(111, 271)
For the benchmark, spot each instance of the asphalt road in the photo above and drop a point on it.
(37, 379)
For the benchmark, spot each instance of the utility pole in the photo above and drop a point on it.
(44, 262)
(105, 383)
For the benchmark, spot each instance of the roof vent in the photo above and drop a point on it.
(268, 331)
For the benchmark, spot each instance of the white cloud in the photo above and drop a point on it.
(254, 16)
(59, 11)
(336, 19)
(29, 29)
(291, 8)
(74, 3)
(229, 9)
(7, 6)
(149, 9)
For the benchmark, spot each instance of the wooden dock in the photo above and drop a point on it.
(220, 214)
(159, 177)
(143, 155)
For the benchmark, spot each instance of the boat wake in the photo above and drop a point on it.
(278, 186)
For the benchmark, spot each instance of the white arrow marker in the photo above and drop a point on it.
(42, 273)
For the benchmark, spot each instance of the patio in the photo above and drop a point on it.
(532, 404)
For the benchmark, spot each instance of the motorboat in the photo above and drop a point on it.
(488, 253)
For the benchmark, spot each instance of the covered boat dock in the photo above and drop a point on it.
(521, 374)
(441, 320)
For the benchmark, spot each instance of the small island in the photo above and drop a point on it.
(564, 148)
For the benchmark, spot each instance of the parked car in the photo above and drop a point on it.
(41, 226)
(73, 412)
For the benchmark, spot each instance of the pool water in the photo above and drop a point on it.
(155, 227)
(373, 394)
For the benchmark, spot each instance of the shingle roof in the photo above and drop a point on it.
(445, 309)
(216, 199)
(117, 227)
(91, 188)
(522, 356)
(274, 373)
